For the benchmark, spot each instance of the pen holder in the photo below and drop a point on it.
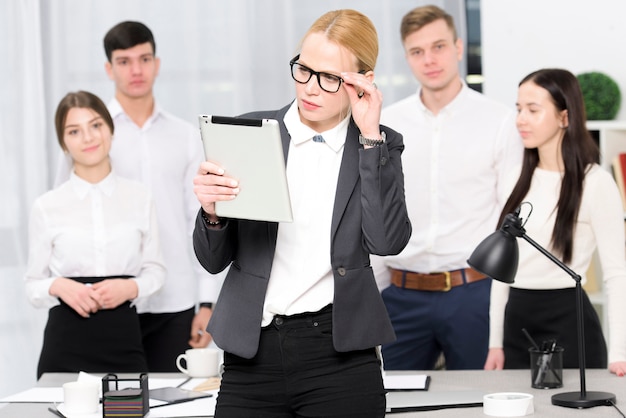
(125, 397)
(546, 368)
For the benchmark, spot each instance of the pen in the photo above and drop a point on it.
(552, 350)
(532, 341)
(544, 362)
(183, 382)
(56, 412)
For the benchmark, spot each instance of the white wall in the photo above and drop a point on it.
(521, 36)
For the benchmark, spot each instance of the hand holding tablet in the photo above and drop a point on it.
(249, 151)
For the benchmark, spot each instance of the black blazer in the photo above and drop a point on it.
(369, 217)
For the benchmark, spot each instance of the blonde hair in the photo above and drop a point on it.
(352, 30)
(419, 17)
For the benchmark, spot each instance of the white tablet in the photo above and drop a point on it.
(251, 151)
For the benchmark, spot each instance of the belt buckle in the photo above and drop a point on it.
(447, 280)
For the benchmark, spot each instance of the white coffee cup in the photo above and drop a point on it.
(200, 362)
(81, 397)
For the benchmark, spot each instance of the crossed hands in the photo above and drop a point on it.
(86, 299)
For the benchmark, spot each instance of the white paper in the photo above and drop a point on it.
(98, 414)
(34, 395)
(405, 381)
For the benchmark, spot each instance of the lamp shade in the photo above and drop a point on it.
(497, 256)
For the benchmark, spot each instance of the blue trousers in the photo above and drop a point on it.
(455, 323)
(298, 373)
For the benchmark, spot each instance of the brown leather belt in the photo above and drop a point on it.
(434, 282)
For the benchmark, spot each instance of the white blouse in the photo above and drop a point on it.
(81, 229)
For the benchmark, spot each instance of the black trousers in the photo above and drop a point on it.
(551, 314)
(165, 336)
(298, 373)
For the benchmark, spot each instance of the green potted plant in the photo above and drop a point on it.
(601, 95)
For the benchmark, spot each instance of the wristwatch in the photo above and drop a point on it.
(372, 142)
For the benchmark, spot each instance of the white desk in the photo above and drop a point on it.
(490, 382)
(519, 381)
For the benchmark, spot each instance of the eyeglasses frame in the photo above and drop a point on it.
(317, 74)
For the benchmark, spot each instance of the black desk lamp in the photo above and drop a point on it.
(497, 256)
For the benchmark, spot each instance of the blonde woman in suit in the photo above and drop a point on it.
(299, 315)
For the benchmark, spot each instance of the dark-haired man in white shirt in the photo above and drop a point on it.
(163, 152)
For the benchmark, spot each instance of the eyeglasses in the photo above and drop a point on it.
(302, 74)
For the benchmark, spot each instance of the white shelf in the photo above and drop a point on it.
(612, 141)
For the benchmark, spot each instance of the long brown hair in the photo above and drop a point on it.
(578, 149)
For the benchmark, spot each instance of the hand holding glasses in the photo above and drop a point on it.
(328, 82)
(362, 110)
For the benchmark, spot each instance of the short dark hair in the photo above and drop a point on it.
(126, 35)
(80, 99)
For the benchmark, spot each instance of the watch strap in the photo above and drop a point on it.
(373, 142)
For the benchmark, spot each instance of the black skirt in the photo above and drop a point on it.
(546, 315)
(109, 341)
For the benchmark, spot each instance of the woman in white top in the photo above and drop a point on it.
(93, 251)
(576, 209)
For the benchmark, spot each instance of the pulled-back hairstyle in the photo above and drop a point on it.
(578, 150)
(352, 30)
(126, 35)
(80, 99)
(419, 17)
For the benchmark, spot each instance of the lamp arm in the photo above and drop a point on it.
(579, 310)
(555, 260)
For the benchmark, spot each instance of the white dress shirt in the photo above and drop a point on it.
(164, 154)
(82, 230)
(453, 165)
(600, 225)
(301, 279)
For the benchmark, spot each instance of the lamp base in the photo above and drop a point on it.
(575, 400)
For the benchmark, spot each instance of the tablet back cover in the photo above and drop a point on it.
(251, 151)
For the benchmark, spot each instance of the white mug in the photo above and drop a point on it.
(200, 362)
(81, 397)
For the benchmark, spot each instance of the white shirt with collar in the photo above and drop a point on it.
(301, 279)
(164, 154)
(82, 230)
(454, 164)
